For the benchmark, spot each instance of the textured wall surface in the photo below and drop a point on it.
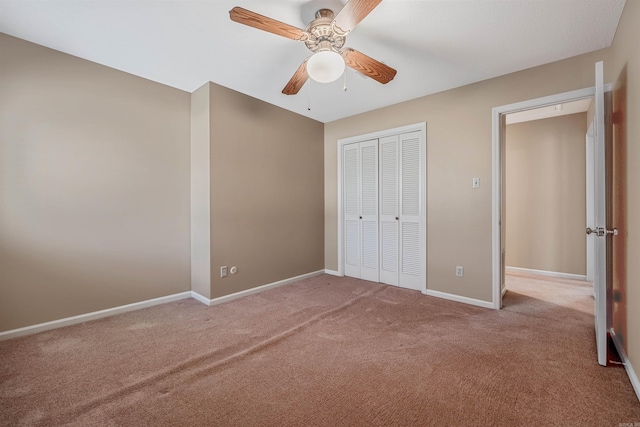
(94, 186)
(546, 194)
(266, 192)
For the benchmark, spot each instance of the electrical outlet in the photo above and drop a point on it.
(459, 271)
(223, 271)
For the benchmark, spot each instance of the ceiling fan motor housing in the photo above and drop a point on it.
(322, 36)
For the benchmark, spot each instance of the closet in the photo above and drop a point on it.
(383, 209)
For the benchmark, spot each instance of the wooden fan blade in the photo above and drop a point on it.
(298, 80)
(352, 13)
(368, 66)
(255, 20)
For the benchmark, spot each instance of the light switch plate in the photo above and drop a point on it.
(476, 182)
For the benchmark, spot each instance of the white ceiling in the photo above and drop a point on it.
(434, 44)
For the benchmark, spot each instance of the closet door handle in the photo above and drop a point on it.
(360, 217)
(397, 218)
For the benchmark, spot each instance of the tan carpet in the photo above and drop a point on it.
(325, 351)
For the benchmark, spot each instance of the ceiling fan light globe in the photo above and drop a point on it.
(325, 66)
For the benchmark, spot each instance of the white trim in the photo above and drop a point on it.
(47, 326)
(81, 318)
(625, 361)
(384, 133)
(200, 189)
(332, 273)
(496, 173)
(633, 378)
(236, 295)
(422, 128)
(546, 273)
(590, 200)
(458, 298)
(504, 291)
(339, 214)
(196, 296)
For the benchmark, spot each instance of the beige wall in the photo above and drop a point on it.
(94, 186)
(546, 194)
(266, 192)
(625, 64)
(458, 149)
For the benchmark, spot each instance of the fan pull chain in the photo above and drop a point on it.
(309, 98)
(345, 81)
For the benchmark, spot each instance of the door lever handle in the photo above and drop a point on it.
(601, 231)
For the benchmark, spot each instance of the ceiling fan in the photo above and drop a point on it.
(325, 37)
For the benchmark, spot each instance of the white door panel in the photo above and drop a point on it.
(360, 175)
(409, 219)
(389, 186)
(600, 265)
(351, 178)
(369, 210)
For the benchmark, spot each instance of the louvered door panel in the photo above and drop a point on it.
(410, 189)
(410, 248)
(351, 206)
(411, 176)
(369, 210)
(352, 243)
(389, 210)
(351, 184)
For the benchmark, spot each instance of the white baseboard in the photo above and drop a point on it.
(546, 273)
(627, 364)
(332, 272)
(633, 378)
(504, 291)
(457, 298)
(41, 327)
(67, 321)
(255, 290)
(200, 298)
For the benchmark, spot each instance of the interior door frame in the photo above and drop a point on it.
(496, 171)
(422, 128)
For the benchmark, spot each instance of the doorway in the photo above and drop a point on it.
(499, 115)
(546, 191)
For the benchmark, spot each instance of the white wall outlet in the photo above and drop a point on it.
(233, 270)
(223, 271)
(459, 271)
(476, 182)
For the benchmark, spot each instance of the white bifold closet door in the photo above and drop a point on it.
(360, 176)
(382, 210)
(400, 261)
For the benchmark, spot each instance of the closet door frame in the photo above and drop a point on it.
(422, 128)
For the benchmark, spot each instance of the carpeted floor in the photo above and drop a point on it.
(325, 351)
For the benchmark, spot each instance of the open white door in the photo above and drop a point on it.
(597, 230)
(591, 207)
